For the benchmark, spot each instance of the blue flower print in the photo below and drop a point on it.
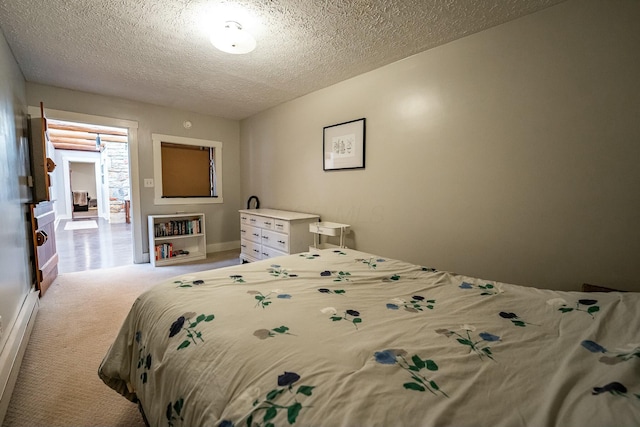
(352, 315)
(487, 289)
(593, 347)
(386, 357)
(581, 304)
(614, 388)
(277, 271)
(488, 337)
(184, 323)
(340, 276)
(176, 326)
(270, 408)
(287, 379)
(265, 300)
(615, 357)
(413, 366)
(514, 319)
(415, 305)
(474, 346)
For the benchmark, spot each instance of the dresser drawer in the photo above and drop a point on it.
(281, 226)
(275, 240)
(268, 252)
(244, 218)
(251, 249)
(245, 231)
(265, 222)
(250, 233)
(253, 220)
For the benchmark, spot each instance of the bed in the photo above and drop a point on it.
(339, 337)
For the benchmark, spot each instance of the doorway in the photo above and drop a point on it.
(93, 189)
(84, 191)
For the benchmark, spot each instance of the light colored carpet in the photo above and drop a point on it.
(80, 315)
(80, 225)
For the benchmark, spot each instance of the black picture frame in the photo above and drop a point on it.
(343, 145)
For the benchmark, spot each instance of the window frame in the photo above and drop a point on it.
(157, 140)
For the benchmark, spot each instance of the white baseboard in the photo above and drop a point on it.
(221, 247)
(11, 355)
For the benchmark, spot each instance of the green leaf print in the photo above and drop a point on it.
(271, 408)
(184, 323)
(420, 382)
(414, 386)
(293, 411)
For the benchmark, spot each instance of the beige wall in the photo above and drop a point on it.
(221, 219)
(83, 177)
(511, 154)
(15, 280)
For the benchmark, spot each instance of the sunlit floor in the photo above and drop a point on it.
(109, 245)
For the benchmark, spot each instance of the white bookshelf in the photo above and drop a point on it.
(174, 235)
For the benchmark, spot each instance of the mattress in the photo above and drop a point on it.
(339, 337)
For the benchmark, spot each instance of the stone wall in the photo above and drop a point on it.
(118, 179)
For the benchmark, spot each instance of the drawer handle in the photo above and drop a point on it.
(243, 246)
(256, 251)
(256, 234)
(265, 237)
(265, 254)
(243, 231)
(267, 223)
(281, 242)
(252, 220)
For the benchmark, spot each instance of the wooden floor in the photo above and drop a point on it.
(109, 245)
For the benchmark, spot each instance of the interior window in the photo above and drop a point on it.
(187, 170)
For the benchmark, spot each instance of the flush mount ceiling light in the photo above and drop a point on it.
(231, 38)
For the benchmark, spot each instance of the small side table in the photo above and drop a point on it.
(328, 229)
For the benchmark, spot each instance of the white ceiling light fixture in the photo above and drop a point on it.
(231, 38)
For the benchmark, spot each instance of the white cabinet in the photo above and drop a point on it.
(267, 233)
(176, 238)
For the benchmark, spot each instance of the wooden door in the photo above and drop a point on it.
(43, 233)
(42, 214)
(41, 163)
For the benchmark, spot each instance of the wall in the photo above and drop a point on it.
(14, 194)
(221, 219)
(83, 178)
(511, 154)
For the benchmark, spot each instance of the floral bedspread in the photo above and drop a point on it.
(346, 338)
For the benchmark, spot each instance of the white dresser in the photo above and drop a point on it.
(266, 233)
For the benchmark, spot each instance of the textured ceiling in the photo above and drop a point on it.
(158, 51)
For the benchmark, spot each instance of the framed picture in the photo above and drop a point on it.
(343, 145)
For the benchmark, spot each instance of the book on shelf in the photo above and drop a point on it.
(165, 250)
(177, 227)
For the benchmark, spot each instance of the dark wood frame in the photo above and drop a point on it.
(355, 128)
